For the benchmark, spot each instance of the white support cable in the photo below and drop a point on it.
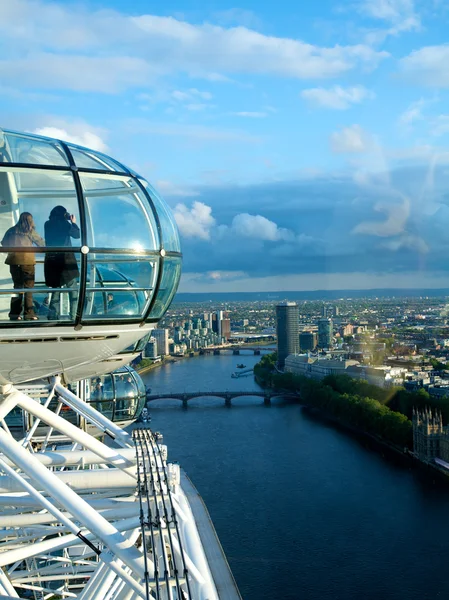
(27, 439)
(74, 433)
(84, 495)
(79, 509)
(27, 586)
(93, 415)
(7, 585)
(50, 429)
(87, 480)
(38, 519)
(5, 426)
(59, 543)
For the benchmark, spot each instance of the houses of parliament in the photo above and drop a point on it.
(430, 437)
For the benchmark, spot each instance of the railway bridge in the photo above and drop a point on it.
(228, 396)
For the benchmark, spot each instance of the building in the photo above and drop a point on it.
(307, 341)
(150, 350)
(161, 336)
(346, 329)
(430, 437)
(287, 329)
(325, 332)
(316, 368)
(226, 328)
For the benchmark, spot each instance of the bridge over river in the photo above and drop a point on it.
(184, 397)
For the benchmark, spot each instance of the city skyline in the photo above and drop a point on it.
(299, 149)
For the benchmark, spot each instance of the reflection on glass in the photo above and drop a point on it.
(22, 235)
(126, 396)
(35, 191)
(171, 275)
(120, 287)
(27, 149)
(101, 394)
(90, 159)
(61, 268)
(37, 299)
(170, 235)
(118, 214)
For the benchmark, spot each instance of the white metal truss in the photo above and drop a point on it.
(85, 519)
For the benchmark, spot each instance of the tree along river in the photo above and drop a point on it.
(303, 509)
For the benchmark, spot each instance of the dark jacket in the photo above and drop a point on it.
(60, 268)
(14, 238)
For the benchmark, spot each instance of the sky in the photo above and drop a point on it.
(300, 145)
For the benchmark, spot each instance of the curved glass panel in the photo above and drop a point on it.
(126, 396)
(31, 150)
(28, 276)
(170, 235)
(169, 284)
(118, 214)
(119, 286)
(89, 159)
(41, 263)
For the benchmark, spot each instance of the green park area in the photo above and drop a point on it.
(385, 413)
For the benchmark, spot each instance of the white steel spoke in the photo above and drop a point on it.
(83, 519)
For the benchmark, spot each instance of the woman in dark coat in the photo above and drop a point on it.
(22, 264)
(61, 268)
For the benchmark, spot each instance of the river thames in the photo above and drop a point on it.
(303, 509)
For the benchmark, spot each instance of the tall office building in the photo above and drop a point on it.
(226, 328)
(287, 330)
(150, 350)
(307, 340)
(325, 333)
(161, 336)
(217, 322)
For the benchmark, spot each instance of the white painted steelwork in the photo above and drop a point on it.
(88, 520)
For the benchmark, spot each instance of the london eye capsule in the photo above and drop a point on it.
(89, 262)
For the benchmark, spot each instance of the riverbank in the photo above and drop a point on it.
(190, 354)
(155, 365)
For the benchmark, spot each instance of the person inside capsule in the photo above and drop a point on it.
(22, 265)
(61, 268)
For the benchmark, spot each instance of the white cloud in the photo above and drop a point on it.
(42, 42)
(337, 97)
(407, 242)
(352, 139)
(198, 106)
(387, 10)
(108, 74)
(192, 132)
(258, 227)
(76, 133)
(250, 115)
(362, 280)
(397, 216)
(191, 95)
(194, 222)
(168, 188)
(439, 125)
(224, 275)
(412, 113)
(428, 66)
(400, 15)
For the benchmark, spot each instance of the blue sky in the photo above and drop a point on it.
(300, 145)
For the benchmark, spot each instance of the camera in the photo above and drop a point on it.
(67, 216)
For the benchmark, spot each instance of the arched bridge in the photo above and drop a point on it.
(184, 397)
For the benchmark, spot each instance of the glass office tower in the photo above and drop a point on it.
(287, 329)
